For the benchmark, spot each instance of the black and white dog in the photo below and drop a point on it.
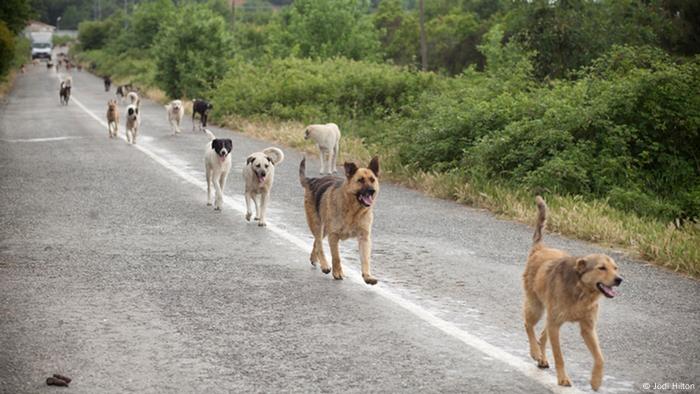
(202, 108)
(133, 120)
(107, 81)
(64, 91)
(217, 164)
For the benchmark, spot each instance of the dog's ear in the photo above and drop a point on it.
(374, 165)
(249, 160)
(270, 159)
(582, 266)
(350, 169)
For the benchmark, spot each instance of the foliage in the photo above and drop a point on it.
(95, 34)
(7, 48)
(14, 14)
(191, 52)
(328, 28)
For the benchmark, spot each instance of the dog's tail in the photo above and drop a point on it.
(210, 134)
(302, 173)
(541, 219)
(275, 154)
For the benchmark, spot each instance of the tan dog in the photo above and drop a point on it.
(568, 288)
(341, 209)
(258, 174)
(112, 118)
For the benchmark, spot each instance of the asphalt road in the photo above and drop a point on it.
(114, 271)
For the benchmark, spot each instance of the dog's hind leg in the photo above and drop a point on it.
(322, 156)
(334, 161)
(591, 339)
(553, 333)
(533, 310)
(333, 241)
(365, 244)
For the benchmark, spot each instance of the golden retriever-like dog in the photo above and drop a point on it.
(258, 174)
(341, 209)
(568, 288)
(112, 118)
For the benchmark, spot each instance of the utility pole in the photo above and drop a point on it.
(423, 43)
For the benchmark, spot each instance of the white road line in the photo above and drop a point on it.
(526, 368)
(42, 139)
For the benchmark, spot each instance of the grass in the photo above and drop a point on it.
(595, 221)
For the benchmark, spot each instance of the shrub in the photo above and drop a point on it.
(191, 52)
(7, 48)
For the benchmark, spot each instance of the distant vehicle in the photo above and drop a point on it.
(41, 45)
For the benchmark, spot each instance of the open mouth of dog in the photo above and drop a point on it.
(607, 291)
(366, 197)
(222, 156)
(261, 178)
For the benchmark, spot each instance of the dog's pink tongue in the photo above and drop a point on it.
(367, 199)
(261, 179)
(609, 291)
(222, 158)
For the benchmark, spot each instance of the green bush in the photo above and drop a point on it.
(95, 34)
(7, 49)
(191, 52)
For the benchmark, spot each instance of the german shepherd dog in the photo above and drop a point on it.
(341, 209)
(568, 288)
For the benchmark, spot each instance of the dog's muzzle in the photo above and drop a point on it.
(261, 176)
(366, 197)
(222, 155)
(608, 291)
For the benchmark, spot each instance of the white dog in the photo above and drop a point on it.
(258, 175)
(132, 123)
(175, 111)
(217, 164)
(134, 99)
(327, 138)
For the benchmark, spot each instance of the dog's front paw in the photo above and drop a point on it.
(208, 204)
(247, 216)
(338, 275)
(370, 280)
(542, 364)
(217, 208)
(596, 381)
(564, 381)
(262, 223)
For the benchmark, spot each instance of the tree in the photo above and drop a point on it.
(15, 14)
(423, 40)
(191, 52)
(398, 32)
(328, 28)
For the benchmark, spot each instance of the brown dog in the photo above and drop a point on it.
(568, 288)
(341, 209)
(112, 118)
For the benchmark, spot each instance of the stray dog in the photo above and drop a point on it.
(217, 164)
(64, 90)
(327, 138)
(175, 111)
(202, 108)
(107, 81)
(134, 99)
(568, 288)
(132, 123)
(341, 209)
(123, 90)
(112, 118)
(258, 175)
